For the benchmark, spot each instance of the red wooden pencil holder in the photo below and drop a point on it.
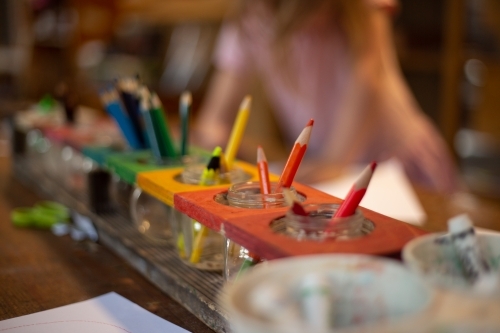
(252, 229)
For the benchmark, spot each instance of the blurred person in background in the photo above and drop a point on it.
(334, 61)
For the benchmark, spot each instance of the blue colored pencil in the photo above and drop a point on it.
(145, 108)
(114, 108)
(128, 89)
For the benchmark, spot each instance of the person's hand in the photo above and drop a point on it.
(427, 161)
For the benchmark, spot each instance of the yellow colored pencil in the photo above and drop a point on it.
(198, 245)
(237, 132)
(210, 173)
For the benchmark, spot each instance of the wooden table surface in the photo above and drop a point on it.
(40, 271)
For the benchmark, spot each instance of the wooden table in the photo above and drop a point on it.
(40, 271)
(485, 213)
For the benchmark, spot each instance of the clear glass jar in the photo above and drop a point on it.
(318, 224)
(120, 193)
(76, 167)
(247, 195)
(52, 161)
(36, 147)
(150, 216)
(198, 245)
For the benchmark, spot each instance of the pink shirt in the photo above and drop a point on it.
(321, 66)
(320, 61)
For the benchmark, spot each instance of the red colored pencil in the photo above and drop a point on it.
(296, 155)
(265, 183)
(356, 193)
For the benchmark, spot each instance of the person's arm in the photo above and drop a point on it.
(377, 91)
(226, 91)
(357, 115)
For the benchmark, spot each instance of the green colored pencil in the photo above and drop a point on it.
(165, 141)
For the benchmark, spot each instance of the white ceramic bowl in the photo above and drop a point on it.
(368, 292)
(438, 264)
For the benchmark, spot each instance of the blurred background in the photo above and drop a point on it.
(449, 51)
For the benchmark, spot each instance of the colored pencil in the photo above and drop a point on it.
(211, 171)
(356, 193)
(223, 164)
(291, 200)
(209, 175)
(296, 155)
(145, 108)
(114, 108)
(237, 132)
(128, 88)
(265, 183)
(165, 141)
(184, 111)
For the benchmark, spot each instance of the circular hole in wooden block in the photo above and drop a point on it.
(193, 173)
(249, 197)
(318, 227)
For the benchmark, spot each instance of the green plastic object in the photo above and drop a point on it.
(100, 154)
(128, 164)
(22, 217)
(54, 209)
(47, 103)
(43, 215)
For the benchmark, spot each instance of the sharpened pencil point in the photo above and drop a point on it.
(186, 98)
(246, 103)
(261, 156)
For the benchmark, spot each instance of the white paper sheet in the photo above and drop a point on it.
(390, 192)
(109, 313)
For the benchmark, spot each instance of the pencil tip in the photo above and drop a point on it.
(155, 100)
(261, 156)
(217, 151)
(186, 98)
(245, 104)
(310, 122)
(373, 165)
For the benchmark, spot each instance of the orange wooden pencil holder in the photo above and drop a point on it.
(251, 228)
